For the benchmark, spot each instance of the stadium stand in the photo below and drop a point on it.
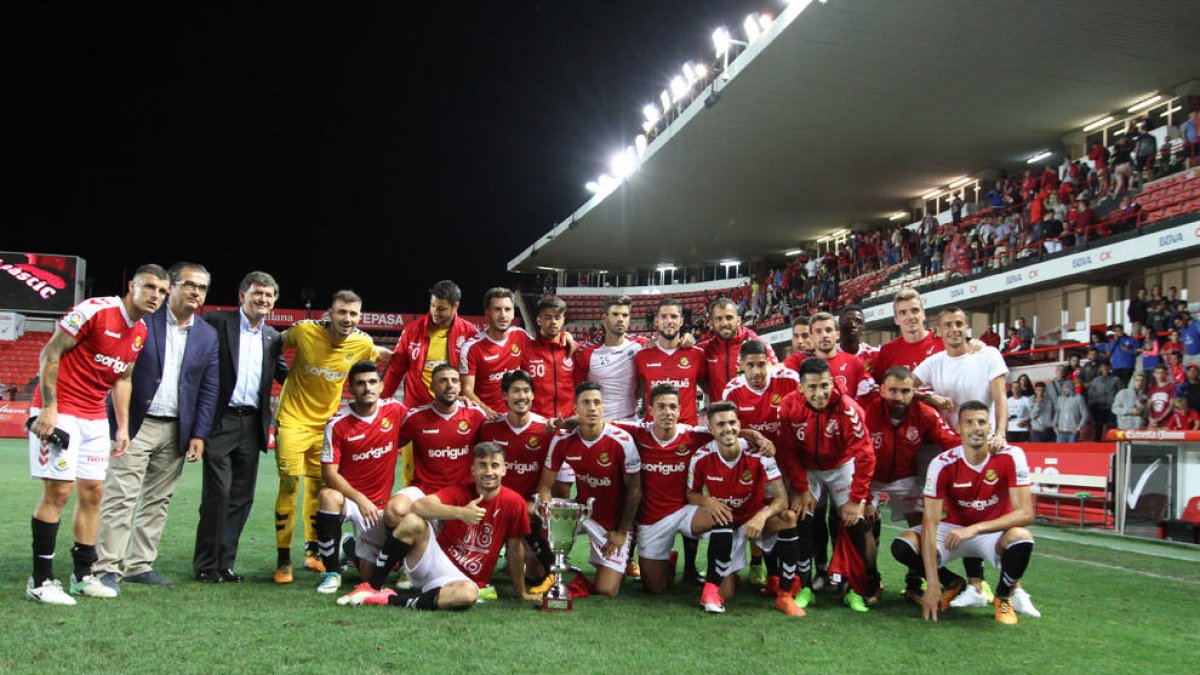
(19, 362)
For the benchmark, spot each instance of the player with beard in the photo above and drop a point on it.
(825, 449)
(847, 369)
(758, 393)
(610, 363)
(608, 468)
(987, 500)
(801, 342)
(525, 437)
(496, 350)
(739, 497)
(548, 361)
(722, 349)
(666, 361)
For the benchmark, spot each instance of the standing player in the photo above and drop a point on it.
(525, 439)
(610, 363)
(426, 343)
(847, 369)
(801, 342)
(667, 362)
(451, 541)
(988, 504)
(915, 343)
(496, 350)
(607, 468)
(325, 350)
(851, 324)
(745, 500)
(722, 349)
(358, 467)
(826, 450)
(548, 361)
(92, 350)
(758, 393)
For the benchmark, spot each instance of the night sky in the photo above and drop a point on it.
(377, 146)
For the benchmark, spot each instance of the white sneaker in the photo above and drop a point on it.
(969, 597)
(91, 586)
(330, 583)
(49, 593)
(1023, 604)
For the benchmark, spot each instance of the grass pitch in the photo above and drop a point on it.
(1109, 606)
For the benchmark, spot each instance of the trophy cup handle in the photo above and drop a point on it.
(540, 509)
(587, 509)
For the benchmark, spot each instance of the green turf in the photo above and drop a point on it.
(1103, 612)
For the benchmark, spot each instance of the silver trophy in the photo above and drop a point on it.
(562, 519)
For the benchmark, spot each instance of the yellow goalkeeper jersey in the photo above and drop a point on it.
(313, 387)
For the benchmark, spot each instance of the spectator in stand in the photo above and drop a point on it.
(1191, 388)
(990, 338)
(1099, 156)
(1159, 318)
(1026, 385)
(1090, 368)
(1122, 353)
(1061, 375)
(1070, 414)
(1041, 415)
(1122, 159)
(1125, 216)
(1052, 232)
(1101, 392)
(1189, 132)
(1085, 225)
(1190, 337)
(1145, 147)
(1019, 407)
(1174, 363)
(956, 209)
(1129, 405)
(1182, 417)
(1024, 332)
(1075, 372)
(1013, 343)
(1150, 356)
(1174, 343)
(1158, 398)
(1138, 308)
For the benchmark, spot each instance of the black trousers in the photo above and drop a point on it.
(230, 477)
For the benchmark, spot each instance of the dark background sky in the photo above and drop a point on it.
(379, 146)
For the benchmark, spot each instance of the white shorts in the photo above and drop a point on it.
(904, 495)
(656, 540)
(412, 492)
(84, 458)
(367, 540)
(434, 569)
(598, 536)
(834, 481)
(979, 546)
(767, 544)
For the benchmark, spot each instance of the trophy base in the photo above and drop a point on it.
(557, 604)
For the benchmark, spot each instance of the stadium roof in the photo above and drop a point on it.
(847, 110)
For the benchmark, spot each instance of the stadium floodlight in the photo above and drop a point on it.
(1145, 104)
(765, 21)
(639, 144)
(960, 182)
(930, 195)
(624, 163)
(1098, 123)
(689, 73)
(701, 71)
(722, 41)
(751, 27)
(898, 215)
(731, 263)
(606, 181)
(679, 89)
(593, 186)
(1038, 156)
(652, 113)
(793, 252)
(665, 99)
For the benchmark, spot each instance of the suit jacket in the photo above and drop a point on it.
(197, 379)
(274, 367)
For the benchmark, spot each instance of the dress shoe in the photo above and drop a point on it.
(209, 578)
(229, 575)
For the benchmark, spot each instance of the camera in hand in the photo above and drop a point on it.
(58, 438)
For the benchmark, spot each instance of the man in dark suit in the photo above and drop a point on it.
(164, 413)
(250, 355)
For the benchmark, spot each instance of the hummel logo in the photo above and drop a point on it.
(111, 334)
(962, 485)
(493, 357)
(429, 431)
(356, 438)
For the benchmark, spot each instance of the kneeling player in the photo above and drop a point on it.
(988, 505)
(745, 501)
(451, 541)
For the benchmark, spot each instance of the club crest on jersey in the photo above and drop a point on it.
(831, 428)
(385, 424)
(515, 349)
(990, 477)
(746, 477)
(533, 442)
(682, 450)
(604, 459)
(568, 363)
(912, 435)
(137, 343)
(776, 399)
(463, 427)
(684, 363)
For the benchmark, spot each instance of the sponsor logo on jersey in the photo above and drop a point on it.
(979, 504)
(929, 482)
(373, 453)
(962, 486)
(519, 467)
(112, 334)
(429, 431)
(385, 424)
(604, 459)
(735, 503)
(491, 357)
(664, 469)
(653, 365)
(569, 460)
(327, 375)
(448, 453)
(912, 434)
(594, 482)
(714, 479)
(464, 427)
(685, 383)
(118, 366)
(74, 320)
(990, 477)
(359, 437)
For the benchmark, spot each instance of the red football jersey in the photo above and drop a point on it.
(849, 374)
(975, 494)
(600, 469)
(524, 451)
(896, 442)
(664, 467)
(759, 410)
(793, 360)
(474, 549)
(488, 361)
(442, 444)
(681, 367)
(553, 373)
(740, 484)
(721, 360)
(108, 344)
(365, 449)
(897, 352)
